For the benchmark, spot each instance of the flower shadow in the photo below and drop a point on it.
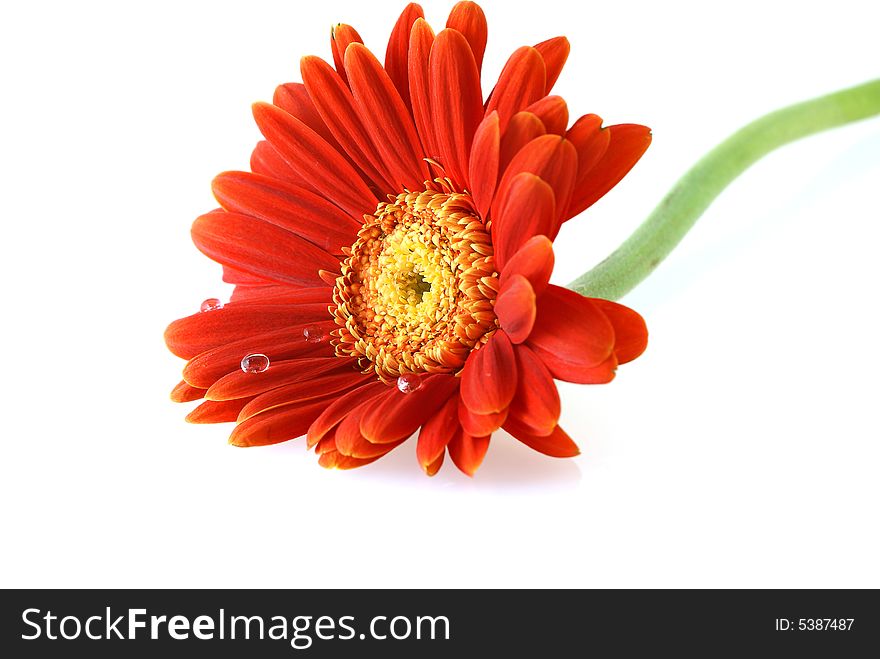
(509, 465)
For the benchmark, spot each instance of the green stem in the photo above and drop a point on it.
(679, 210)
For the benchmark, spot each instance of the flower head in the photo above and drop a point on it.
(391, 253)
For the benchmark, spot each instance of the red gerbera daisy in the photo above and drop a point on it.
(391, 252)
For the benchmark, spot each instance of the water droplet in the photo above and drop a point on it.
(314, 334)
(211, 304)
(255, 363)
(409, 382)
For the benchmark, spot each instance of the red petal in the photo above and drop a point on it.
(341, 407)
(286, 294)
(329, 276)
(260, 248)
(397, 415)
(534, 261)
(469, 19)
(328, 172)
(336, 106)
(326, 444)
(350, 441)
(528, 210)
(203, 331)
(536, 405)
(280, 294)
(627, 143)
(239, 384)
(266, 160)
(557, 444)
(571, 333)
(309, 389)
(488, 380)
(522, 129)
(630, 331)
(183, 392)
(434, 467)
(335, 460)
(515, 308)
(467, 452)
(522, 82)
(278, 425)
(294, 99)
(225, 357)
(397, 53)
(555, 52)
(386, 117)
(420, 44)
(248, 293)
(329, 459)
(591, 141)
(551, 157)
(217, 411)
(287, 206)
(601, 374)
(553, 113)
(456, 102)
(233, 276)
(340, 37)
(484, 162)
(478, 425)
(436, 434)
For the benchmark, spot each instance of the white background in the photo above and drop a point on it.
(741, 450)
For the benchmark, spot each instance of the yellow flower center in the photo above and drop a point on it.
(417, 287)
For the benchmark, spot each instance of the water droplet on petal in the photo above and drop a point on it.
(409, 382)
(255, 363)
(314, 334)
(211, 304)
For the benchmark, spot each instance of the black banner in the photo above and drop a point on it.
(429, 623)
